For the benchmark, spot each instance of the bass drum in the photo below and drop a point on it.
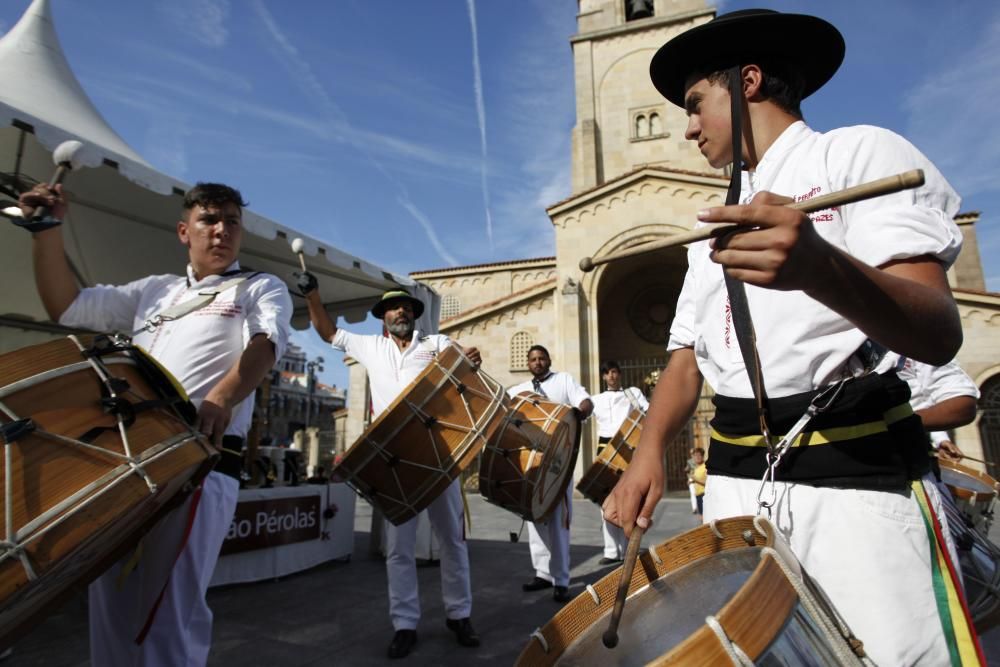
(426, 438)
(528, 463)
(612, 460)
(99, 444)
(709, 596)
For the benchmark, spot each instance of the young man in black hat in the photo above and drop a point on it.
(392, 362)
(828, 294)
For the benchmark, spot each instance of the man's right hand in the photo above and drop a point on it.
(306, 282)
(43, 195)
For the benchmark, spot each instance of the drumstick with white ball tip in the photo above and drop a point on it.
(65, 158)
(610, 636)
(297, 246)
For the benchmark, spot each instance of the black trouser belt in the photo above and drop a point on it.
(231, 461)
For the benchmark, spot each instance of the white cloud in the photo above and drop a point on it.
(217, 76)
(205, 21)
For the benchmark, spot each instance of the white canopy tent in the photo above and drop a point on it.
(123, 213)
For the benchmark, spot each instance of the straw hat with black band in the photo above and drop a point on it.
(378, 310)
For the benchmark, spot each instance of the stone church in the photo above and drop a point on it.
(636, 179)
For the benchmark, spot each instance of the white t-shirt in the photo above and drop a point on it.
(929, 385)
(803, 344)
(200, 347)
(612, 407)
(390, 369)
(558, 387)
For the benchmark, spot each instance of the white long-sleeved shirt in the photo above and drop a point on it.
(612, 407)
(803, 344)
(202, 346)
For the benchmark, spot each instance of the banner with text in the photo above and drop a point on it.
(259, 524)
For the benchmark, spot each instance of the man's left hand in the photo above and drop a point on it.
(212, 421)
(474, 356)
(950, 451)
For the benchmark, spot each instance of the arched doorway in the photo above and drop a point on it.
(636, 298)
(989, 420)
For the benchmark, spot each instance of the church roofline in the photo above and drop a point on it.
(980, 296)
(700, 177)
(490, 307)
(451, 270)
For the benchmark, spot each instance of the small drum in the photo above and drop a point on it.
(974, 492)
(700, 599)
(426, 438)
(528, 462)
(613, 459)
(98, 444)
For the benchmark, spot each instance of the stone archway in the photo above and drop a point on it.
(989, 419)
(635, 301)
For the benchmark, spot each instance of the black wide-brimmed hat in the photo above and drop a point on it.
(806, 44)
(378, 310)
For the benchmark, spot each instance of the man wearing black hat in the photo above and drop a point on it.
(828, 295)
(392, 362)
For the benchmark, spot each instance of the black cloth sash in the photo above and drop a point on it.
(231, 461)
(886, 460)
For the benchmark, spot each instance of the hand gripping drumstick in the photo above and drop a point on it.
(297, 246)
(610, 636)
(883, 186)
(64, 156)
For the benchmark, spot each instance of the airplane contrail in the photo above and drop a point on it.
(481, 114)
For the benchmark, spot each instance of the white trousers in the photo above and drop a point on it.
(181, 630)
(868, 550)
(446, 515)
(614, 540)
(694, 497)
(549, 542)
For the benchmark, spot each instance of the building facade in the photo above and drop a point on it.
(636, 179)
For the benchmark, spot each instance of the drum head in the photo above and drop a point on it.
(967, 483)
(663, 614)
(557, 466)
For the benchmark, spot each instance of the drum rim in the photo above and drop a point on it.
(670, 556)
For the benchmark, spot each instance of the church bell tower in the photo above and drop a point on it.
(622, 121)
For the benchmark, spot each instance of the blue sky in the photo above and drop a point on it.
(426, 134)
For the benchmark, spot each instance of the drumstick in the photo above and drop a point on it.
(610, 636)
(297, 246)
(883, 186)
(966, 456)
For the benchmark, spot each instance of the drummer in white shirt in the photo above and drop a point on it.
(945, 398)
(855, 504)
(611, 407)
(549, 539)
(392, 362)
(156, 613)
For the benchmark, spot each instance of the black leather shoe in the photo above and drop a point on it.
(464, 633)
(402, 643)
(609, 561)
(561, 594)
(536, 584)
